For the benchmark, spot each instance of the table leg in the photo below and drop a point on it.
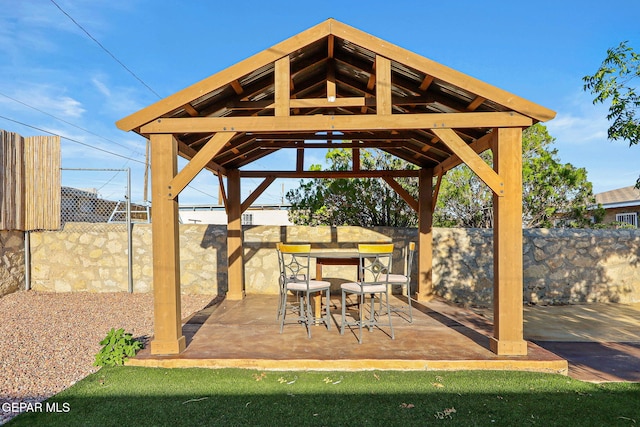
(317, 297)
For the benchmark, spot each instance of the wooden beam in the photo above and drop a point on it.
(189, 153)
(331, 174)
(190, 110)
(413, 155)
(301, 145)
(251, 158)
(441, 72)
(326, 103)
(330, 46)
(379, 136)
(507, 247)
(282, 86)
(383, 86)
(336, 123)
(300, 160)
(168, 337)
(225, 76)
(355, 158)
(478, 146)
(436, 191)
(256, 193)
(223, 194)
(198, 162)
(412, 147)
(235, 270)
(237, 87)
(424, 291)
(147, 154)
(372, 77)
(404, 194)
(331, 82)
(471, 159)
(476, 103)
(426, 82)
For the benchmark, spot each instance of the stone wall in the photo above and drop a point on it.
(560, 266)
(571, 266)
(11, 261)
(77, 260)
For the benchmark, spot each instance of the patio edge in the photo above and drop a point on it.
(543, 366)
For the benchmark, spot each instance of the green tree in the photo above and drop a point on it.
(464, 200)
(366, 202)
(616, 81)
(551, 190)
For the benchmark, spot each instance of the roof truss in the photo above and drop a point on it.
(334, 86)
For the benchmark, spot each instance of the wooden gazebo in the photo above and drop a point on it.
(335, 86)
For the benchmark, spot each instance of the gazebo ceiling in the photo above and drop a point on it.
(333, 73)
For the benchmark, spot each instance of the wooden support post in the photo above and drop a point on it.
(355, 154)
(425, 236)
(507, 246)
(282, 86)
(300, 160)
(168, 338)
(383, 85)
(331, 81)
(234, 237)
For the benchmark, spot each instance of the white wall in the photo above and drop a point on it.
(217, 215)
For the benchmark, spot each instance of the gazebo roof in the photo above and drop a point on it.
(332, 72)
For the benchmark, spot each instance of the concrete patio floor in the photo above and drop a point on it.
(442, 337)
(600, 341)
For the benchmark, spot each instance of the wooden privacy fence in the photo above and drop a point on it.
(29, 182)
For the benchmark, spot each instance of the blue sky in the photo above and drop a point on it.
(54, 77)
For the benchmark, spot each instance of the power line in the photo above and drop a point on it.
(123, 66)
(200, 191)
(72, 140)
(91, 146)
(67, 122)
(106, 50)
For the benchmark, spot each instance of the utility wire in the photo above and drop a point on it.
(123, 66)
(106, 50)
(91, 146)
(67, 122)
(72, 140)
(200, 191)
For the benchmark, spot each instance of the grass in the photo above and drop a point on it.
(235, 397)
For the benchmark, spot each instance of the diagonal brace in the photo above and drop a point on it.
(471, 159)
(198, 162)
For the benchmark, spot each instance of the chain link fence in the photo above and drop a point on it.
(98, 196)
(99, 200)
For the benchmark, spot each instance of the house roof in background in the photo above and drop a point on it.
(625, 195)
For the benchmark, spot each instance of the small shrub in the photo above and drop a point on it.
(118, 346)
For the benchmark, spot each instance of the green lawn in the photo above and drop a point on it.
(124, 396)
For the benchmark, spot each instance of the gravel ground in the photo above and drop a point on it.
(48, 341)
